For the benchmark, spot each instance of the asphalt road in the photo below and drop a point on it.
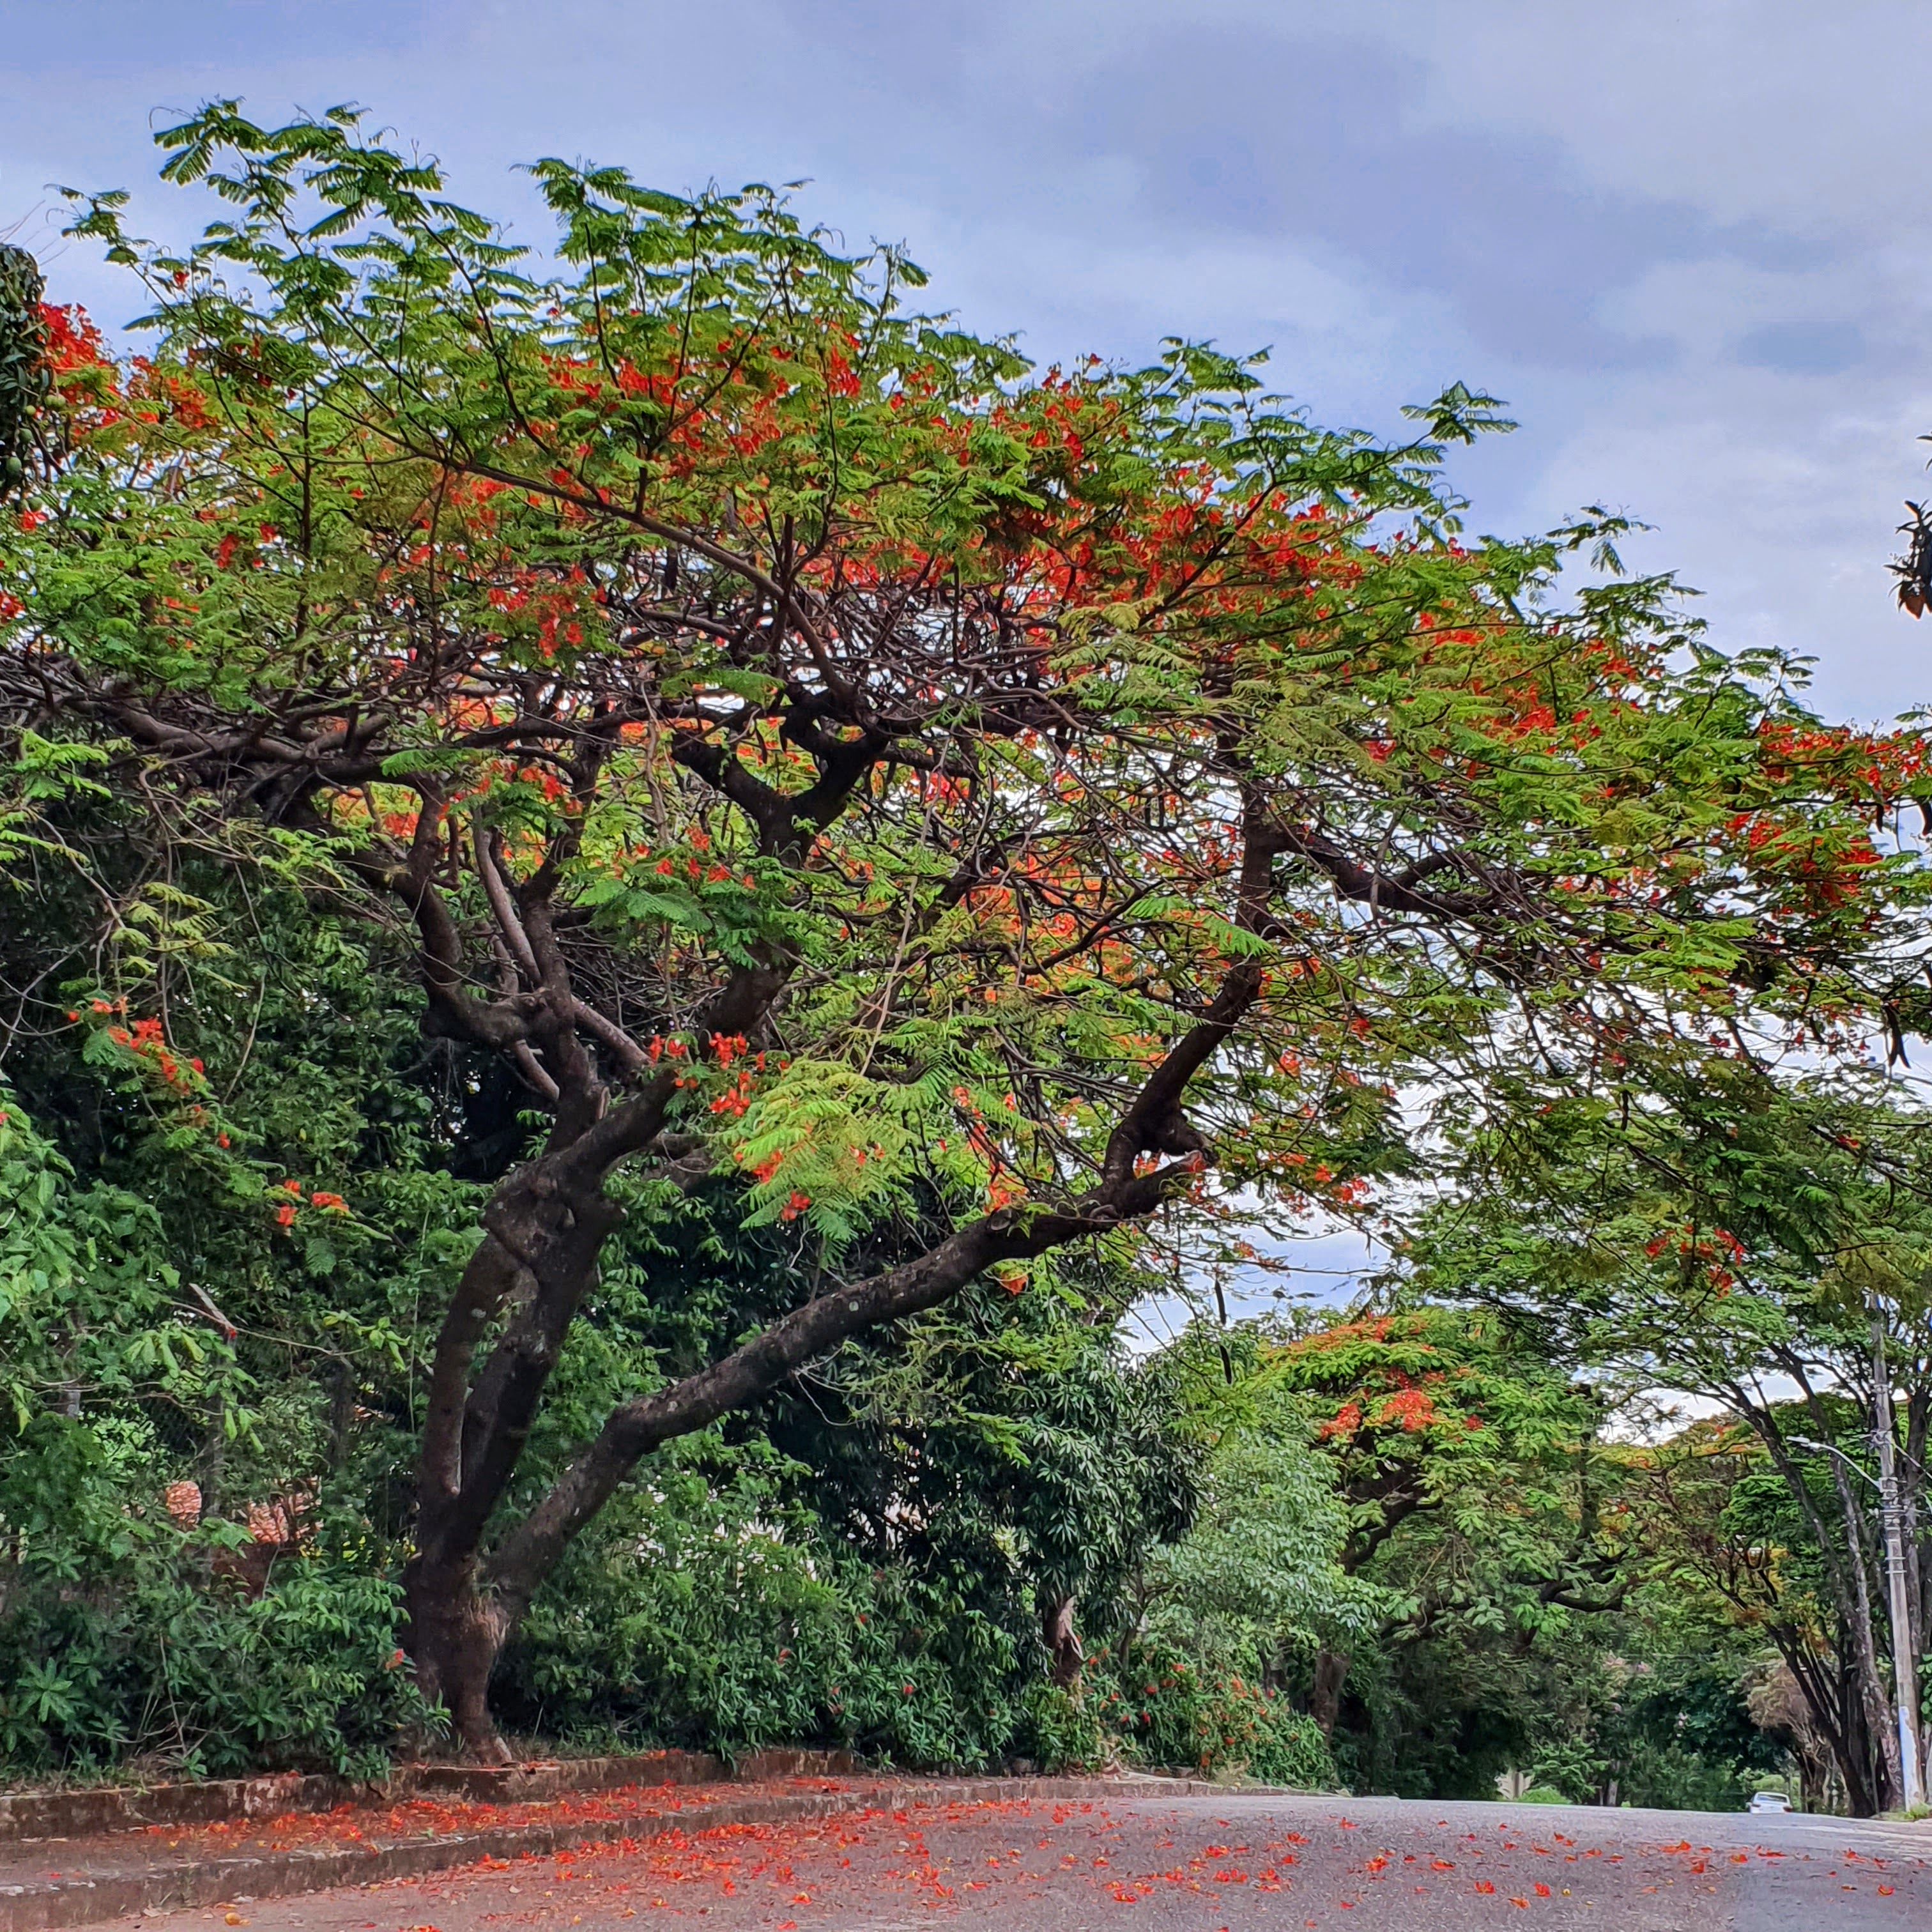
(1189, 1865)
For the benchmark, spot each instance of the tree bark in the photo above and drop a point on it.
(455, 1636)
(1866, 1729)
(1837, 1717)
(1918, 1570)
(1063, 1642)
(1887, 1773)
(1324, 1697)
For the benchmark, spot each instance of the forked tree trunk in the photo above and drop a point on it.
(472, 1578)
(1862, 1732)
(466, 1590)
(1836, 1730)
(533, 1268)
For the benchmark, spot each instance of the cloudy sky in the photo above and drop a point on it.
(1691, 244)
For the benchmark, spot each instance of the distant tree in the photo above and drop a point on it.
(1464, 1464)
(1731, 1233)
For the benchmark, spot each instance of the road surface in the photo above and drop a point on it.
(1159, 1863)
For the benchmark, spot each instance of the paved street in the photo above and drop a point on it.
(1166, 1864)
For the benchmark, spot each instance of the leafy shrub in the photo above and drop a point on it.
(1064, 1730)
(1165, 1711)
(122, 1636)
(705, 1613)
(1571, 1768)
(1295, 1753)
(165, 1667)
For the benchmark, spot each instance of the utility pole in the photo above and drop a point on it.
(1892, 1515)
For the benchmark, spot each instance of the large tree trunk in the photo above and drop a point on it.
(456, 1635)
(1875, 1785)
(1826, 1726)
(1917, 1571)
(531, 1271)
(1063, 1642)
(1324, 1697)
(1881, 1727)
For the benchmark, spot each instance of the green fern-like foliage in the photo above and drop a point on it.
(23, 374)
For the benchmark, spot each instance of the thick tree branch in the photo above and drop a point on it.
(1384, 891)
(529, 1553)
(498, 894)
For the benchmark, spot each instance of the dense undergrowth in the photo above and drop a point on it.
(862, 1565)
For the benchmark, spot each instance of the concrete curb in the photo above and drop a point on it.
(169, 1886)
(102, 1809)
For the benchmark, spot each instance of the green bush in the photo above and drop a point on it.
(124, 1637)
(1063, 1729)
(1571, 1767)
(1163, 1711)
(170, 1669)
(706, 1614)
(1295, 1753)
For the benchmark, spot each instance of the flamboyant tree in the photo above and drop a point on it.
(1445, 1422)
(972, 812)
